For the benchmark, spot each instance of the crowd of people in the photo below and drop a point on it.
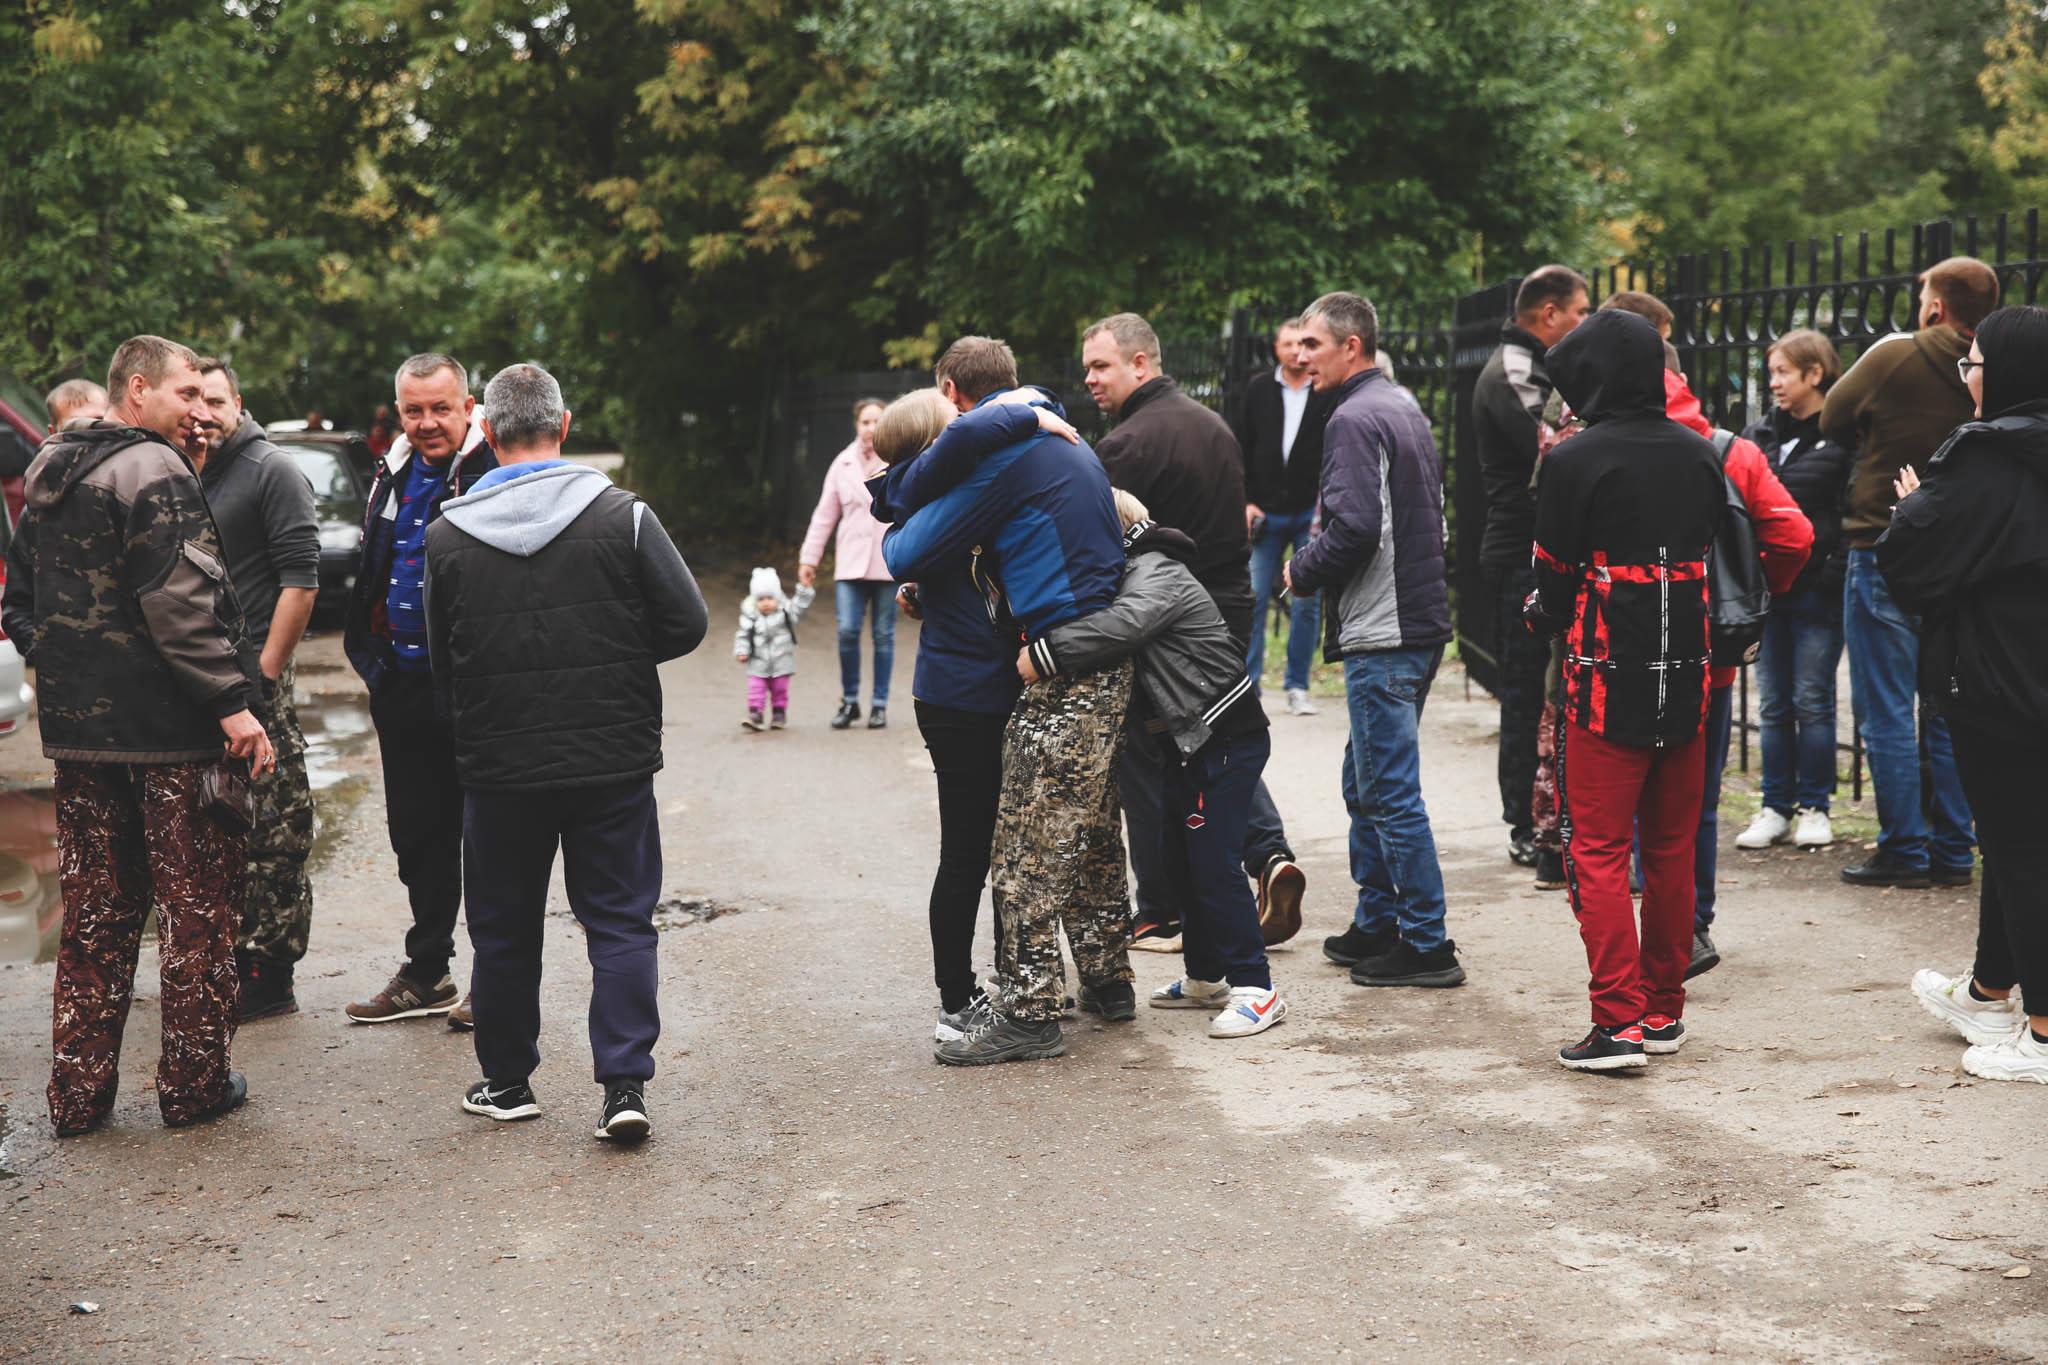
(1087, 677)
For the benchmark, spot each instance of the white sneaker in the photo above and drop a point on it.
(2017, 1057)
(1251, 1011)
(1190, 994)
(1298, 703)
(1948, 999)
(1813, 830)
(1768, 828)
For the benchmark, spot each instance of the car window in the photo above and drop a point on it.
(335, 490)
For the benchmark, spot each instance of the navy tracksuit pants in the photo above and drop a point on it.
(1208, 803)
(611, 867)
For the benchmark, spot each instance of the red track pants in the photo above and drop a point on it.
(1611, 793)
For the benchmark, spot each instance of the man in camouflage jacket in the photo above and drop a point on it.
(116, 593)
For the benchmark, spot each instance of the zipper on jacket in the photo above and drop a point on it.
(1663, 633)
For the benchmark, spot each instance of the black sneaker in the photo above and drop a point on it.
(237, 1095)
(848, 713)
(1705, 956)
(1952, 876)
(753, 721)
(878, 717)
(1662, 1034)
(1115, 1001)
(1522, 850)
(1606, 1049)
(999, 1038)
(1403, 965)
(625, 1113)
(266, 989)
(1884, 870)
(1355, 945)
(502, 1102)
(1549, 871)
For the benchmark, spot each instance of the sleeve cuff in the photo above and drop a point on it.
(1042, 659)
(233, 700)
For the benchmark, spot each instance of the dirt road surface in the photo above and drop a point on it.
(1390, 1175)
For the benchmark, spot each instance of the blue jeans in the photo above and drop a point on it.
(1282, 530)
(1795, 683)
(1393, 851)
(1884, 658)
(876, 596)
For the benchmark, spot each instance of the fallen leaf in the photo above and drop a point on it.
(85, 1306)
(1910, 1307)
(2019, 1272)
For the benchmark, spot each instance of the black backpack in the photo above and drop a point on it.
(1738, 599)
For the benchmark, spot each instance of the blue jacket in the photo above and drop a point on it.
(1379, 557)
(1008, 532)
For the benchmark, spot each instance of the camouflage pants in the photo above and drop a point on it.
(1543, 799)
(1059, 846)
(129, 838)
(277, 904)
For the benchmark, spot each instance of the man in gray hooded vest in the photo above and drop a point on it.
(551, 598)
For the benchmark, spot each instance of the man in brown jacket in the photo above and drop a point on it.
(1895, 406)
(117, 593)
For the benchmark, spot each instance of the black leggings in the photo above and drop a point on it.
(967, 755)
(2002, 779)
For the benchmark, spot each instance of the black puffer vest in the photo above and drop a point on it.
(548, 667)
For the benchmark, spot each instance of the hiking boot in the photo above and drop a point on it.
(955, 1024)
(624, 1119)
(1952, 876)
(1156, 936)
(1355, 945)
(1885, 870)
(847, 714)
(463, 1017)
(1662, 1034)
(236, 1096)
(1606, 1049)
(1949, 999)
(1252, 1009)
(778, 719)
(1281, 887)
(1298, 703)
(753, 720)
(1188, 993)
(502, 1102)
(266, 989)
(2020, 1056)
(1549, 870)
(1769, 827)
(1522, 850)
(878, 717)
(1404, 965)
(1813, 830)
(1115, 1001)
(999, 1038)
(1705, 956)
(405, 998)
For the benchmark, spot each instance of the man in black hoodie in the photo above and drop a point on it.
(118, 595)
(1507, 417)
(1625, 513)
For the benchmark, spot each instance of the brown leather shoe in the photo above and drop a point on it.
(1280, 892)
(405, 998)
(463, 1017)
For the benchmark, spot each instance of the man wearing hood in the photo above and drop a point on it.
(551, 597)
(263, 506)
(442, 453)
(118, 595)
(1625, 512)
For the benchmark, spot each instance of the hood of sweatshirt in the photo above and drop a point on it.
(1682, 407)
(522, 516)
(1150, 537)
(72, 454)
(1611, 365)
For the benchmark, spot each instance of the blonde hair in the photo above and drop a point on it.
(911, 423)
(1129, 510)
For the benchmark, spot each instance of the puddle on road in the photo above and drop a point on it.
(338, 734)
(673, 912)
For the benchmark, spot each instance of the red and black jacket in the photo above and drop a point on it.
(1625, 512)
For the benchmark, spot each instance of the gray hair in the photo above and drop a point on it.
(524, 406)
(1347, 315)
(1133, 334)
(426, 365)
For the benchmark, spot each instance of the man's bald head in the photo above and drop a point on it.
(75, 400)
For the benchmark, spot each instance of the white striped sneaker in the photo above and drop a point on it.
(1250, 1011)
(1190, 994)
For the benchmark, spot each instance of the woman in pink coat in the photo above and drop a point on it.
(864, 582)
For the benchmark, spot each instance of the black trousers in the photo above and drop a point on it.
(423, 807)
(2001, 776)
(967, 755)
(1522, 658)
(1141, 784)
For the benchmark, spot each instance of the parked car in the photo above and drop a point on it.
(339, 495)
(353, 444)
(23, 422)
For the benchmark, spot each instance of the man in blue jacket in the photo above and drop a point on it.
(1379, 562)
(1035, 528)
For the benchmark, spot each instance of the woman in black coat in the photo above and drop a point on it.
(1968, 552)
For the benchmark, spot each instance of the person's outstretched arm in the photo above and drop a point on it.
(1148, 604)
(966, 442)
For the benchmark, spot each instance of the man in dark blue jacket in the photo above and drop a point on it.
(1379, 562)
(442, 454)
(1037, 529)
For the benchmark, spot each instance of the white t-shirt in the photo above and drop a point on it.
(1293, 403)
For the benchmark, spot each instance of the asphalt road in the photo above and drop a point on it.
(1389, 1175)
